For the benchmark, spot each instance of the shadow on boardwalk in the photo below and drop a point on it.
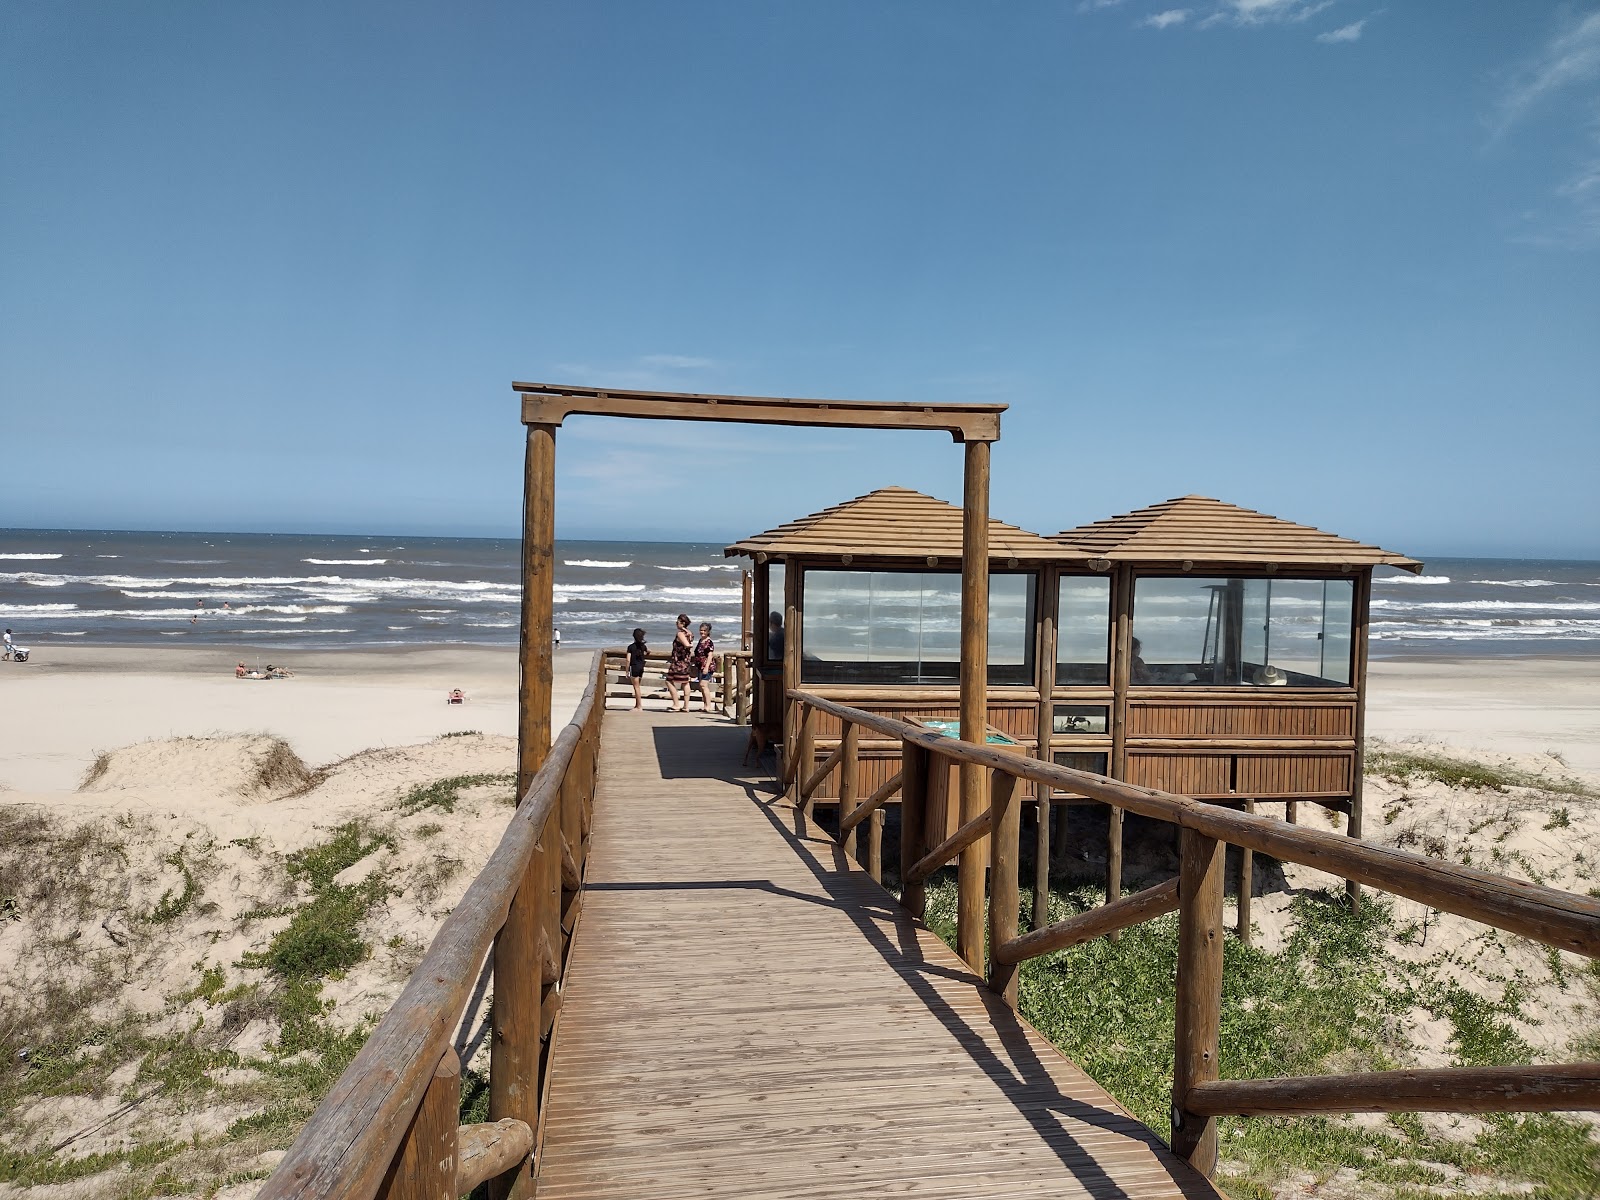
(750, 1015)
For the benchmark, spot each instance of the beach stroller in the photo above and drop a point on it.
(16, 654)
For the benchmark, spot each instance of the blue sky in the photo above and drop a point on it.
(276, 266)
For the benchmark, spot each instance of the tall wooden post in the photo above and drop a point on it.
(537, 658)
(517, 1015)
(914, 767)
(1049, 605)
(1121, 676)
(1358, 675)
(1005, 833)
(974, 693)
(791, 666)
(1247, 882)
(747, 630)
(849, 764)
(1199, 992)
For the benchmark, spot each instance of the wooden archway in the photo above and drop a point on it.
(976, 426)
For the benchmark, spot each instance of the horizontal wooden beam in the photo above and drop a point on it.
(951, 846)
(1097, 922)
(1556, 918)
(822, 772)
(870, 805)
(1566, 1088)
(551, 403)
(487, 1150)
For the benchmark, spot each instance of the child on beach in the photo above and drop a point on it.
(637, 651)
(679, 667)
(704, 666)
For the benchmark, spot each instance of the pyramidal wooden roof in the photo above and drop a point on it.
(895, 522)
(1200, 529)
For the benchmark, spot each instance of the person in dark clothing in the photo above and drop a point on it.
(637, 652)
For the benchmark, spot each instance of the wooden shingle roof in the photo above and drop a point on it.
(1202, 530)
(895, 522)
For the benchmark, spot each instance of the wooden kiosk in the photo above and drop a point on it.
(1192, 646)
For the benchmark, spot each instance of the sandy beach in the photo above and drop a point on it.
(66, 706)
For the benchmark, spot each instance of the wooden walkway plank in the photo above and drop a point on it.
(747, 1014)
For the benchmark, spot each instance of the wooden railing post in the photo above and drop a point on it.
(743, 690)
(1199, 998)
(1041, 859)
(804, 756)
(518, 986)
(875, 845)
(851, 743)
(424, 1168)
(1005, 835)
(1247, 882)
(914, 770)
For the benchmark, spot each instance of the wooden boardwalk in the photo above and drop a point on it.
(748, 1015)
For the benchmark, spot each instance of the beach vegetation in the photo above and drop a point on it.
(1330, 999)
(443, 794)
(1407, 767)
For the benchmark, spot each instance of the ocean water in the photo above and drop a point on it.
(300, 592)
(295, 591)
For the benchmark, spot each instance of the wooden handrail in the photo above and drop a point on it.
(822, 772)
(871, 804)
(1562, 1088)
(347, 1146)
(952, 846)
(1556, 918)
(1097, 922)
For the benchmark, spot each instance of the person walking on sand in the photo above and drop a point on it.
(680, 665)
(637, 652)
(703, 662)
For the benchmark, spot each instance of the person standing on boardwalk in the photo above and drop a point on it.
(637, 652)
(703, 666)
(680, 666)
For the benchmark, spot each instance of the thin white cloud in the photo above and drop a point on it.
(1089, 6)
(1345, 33)
(1263, 12)
(1571, 57)
(1162, 20)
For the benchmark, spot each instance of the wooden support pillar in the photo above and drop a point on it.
(1199, 992)
(1358, 674)
(875, 845)
(914, 773)
(537, 655)
(741, 684)
(747, 630)
(849, 763)
(1005, 835)
(519, 985)
(1291, 811)
(1247, 883)
(424, 1168)
(805, 758)
(1041, 859)
(792, 617)
(974, 693)
(1121, 678)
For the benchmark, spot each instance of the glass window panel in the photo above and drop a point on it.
(1083, 630)
(1236, 631)
(891, 627)
(1079, 718)
(773, 641)
(1090, 761)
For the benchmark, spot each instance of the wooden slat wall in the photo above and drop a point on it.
(1018, 720)
(1301, 773)
(1274, 719)
(1186, 774)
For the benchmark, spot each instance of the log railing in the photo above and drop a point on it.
(1560, 919)
(390, 1127)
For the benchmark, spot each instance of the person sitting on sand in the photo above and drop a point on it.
(456, 696)
(238, 671)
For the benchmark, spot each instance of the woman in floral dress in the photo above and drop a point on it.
(680, 665)
(703, 666)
